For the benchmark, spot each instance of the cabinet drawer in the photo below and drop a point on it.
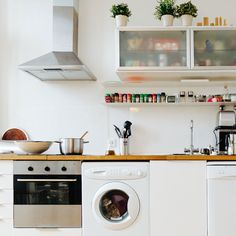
(6, 196)
(6, 167)
(6, 182)
(47, 232)
(6, 212)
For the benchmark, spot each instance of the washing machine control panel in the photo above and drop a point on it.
(116, 172)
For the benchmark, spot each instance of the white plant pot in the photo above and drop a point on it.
(187, 20)
(167, 20)
(121, 20)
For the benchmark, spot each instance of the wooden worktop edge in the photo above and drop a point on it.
(115, 157)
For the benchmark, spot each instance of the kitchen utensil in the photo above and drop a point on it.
(126, 129)
(33, 147)
(84, 135)
(127, 124)
(71, 146)
(15, 134)
(124, 146)
(118, 131)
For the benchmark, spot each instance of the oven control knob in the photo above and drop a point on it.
(47, 168)
(30, 168)
(64, 168)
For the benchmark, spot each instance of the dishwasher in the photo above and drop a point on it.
(221, 181)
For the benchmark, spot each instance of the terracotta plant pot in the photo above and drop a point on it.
(121, 20)
(167, 20)
(187, 20)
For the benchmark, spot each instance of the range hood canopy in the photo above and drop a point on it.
(62, 63)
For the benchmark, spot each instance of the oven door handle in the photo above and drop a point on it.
(46, 180)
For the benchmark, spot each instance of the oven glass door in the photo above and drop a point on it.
(47, 189)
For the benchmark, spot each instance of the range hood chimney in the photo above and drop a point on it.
(62, 63)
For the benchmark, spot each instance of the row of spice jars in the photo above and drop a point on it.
(135, 98)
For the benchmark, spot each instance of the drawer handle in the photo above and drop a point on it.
(46, 180)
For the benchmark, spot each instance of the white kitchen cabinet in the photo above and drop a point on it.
(154, 48)
(6, 197)
(204, 54)
(213, 48)
(178, 198)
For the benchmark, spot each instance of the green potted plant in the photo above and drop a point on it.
(121, 13)
(186, 11)
(165, 11)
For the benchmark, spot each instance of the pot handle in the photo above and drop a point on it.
(60, 147)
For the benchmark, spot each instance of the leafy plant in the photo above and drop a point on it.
(120, 9)
(186, 9)
(165, 7)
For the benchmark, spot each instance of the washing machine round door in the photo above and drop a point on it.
(116, 205)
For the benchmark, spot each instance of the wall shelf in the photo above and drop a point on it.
(169, 104)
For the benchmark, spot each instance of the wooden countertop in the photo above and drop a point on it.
(116, 157)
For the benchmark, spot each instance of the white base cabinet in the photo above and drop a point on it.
(178, 198)
(6, 198)
(6, 210)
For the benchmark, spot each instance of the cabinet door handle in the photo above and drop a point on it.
(46, 180)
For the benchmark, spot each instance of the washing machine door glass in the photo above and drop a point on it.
(116, 205)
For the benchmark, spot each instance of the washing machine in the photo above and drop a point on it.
(115, 198)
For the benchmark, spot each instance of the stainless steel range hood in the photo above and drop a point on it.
(62, 63)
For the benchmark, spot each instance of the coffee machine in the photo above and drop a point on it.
(225, 131)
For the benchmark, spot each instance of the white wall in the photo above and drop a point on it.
(50, 110)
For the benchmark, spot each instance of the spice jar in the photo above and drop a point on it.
(137, 98)
(124, 96)
(129, 97)
(150, 98)
(163, 97)
(120, 97)
(108, 98)
(133, 98)
(182, 97)
(116, 97)
(141, 98)
(154, 98)
(158, 98)
(190, 96)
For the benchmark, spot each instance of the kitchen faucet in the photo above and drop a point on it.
(191, 150)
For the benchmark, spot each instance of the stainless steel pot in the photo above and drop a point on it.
(72, 146)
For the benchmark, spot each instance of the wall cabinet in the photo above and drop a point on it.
(178, 198)
(176, 53)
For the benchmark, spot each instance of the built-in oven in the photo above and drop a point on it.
(47, 194)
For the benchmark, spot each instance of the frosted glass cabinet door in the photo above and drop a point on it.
(215, 48)
(160, 49)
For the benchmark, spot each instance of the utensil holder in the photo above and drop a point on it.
(124, 146)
